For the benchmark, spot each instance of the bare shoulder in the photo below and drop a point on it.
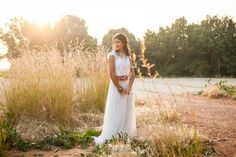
(111, 54)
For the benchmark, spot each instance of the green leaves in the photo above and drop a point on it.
(204, 49)
(64, 139)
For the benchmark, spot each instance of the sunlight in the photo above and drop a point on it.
(42, 19)
(4, 64)
(138, 16)
(3, 49)
(100, 16)
(39, 12)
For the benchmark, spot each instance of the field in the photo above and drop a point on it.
(47, 110)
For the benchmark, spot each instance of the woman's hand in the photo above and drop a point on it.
(129, 90)
(124, 91)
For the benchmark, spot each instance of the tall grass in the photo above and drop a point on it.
(45, 85)
(3, 136)
(41, 86)
(92, 85)
(46, 90)
(163, 127)
(7, 137)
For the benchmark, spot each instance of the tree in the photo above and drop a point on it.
(133, 42)
(14, 38)
(205, 49)
(71, 31)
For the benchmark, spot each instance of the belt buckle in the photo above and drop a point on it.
(123, 77)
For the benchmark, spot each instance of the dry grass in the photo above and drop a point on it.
(213, 92)
(41, 87)
(161, 124)
(37, 130)
(92, 85)
(46, 90)
(3, 136)
(219, 89)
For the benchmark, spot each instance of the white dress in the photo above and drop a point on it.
(120, 109)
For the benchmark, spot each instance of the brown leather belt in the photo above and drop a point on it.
(122, 78)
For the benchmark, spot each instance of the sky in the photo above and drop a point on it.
(100, 16)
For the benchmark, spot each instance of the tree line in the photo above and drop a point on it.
(204, 49)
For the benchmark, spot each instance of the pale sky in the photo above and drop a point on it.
(101, 15)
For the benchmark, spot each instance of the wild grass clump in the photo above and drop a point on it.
(63, 139)
(93, 79)
(41, 86)
(219, 89)
(48, 86)
(7, 136)
(166, 133)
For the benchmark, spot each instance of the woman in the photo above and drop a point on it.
(119, 114)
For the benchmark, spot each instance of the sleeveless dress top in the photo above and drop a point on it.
(122, 63)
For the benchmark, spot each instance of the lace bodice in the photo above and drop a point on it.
(122, 64)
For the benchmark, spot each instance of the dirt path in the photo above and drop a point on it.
(214, 117)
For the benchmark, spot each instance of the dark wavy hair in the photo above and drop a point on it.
(123, 38)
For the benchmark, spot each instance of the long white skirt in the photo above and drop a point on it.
(119, 114)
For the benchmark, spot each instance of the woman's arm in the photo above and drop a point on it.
(132, 75)
(112, 72)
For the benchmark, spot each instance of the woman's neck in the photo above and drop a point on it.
(121, 54)
(120, 51)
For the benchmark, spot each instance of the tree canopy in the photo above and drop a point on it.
(204, 49)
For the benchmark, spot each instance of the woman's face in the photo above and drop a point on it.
(118, 45)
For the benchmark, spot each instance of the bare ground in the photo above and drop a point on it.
(214, 117)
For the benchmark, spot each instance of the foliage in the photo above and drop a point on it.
(200, 50)
(69, 31)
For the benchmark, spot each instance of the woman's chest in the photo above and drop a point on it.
(122, 62)
(122, 65)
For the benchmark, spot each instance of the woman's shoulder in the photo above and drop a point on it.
(112, 53)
